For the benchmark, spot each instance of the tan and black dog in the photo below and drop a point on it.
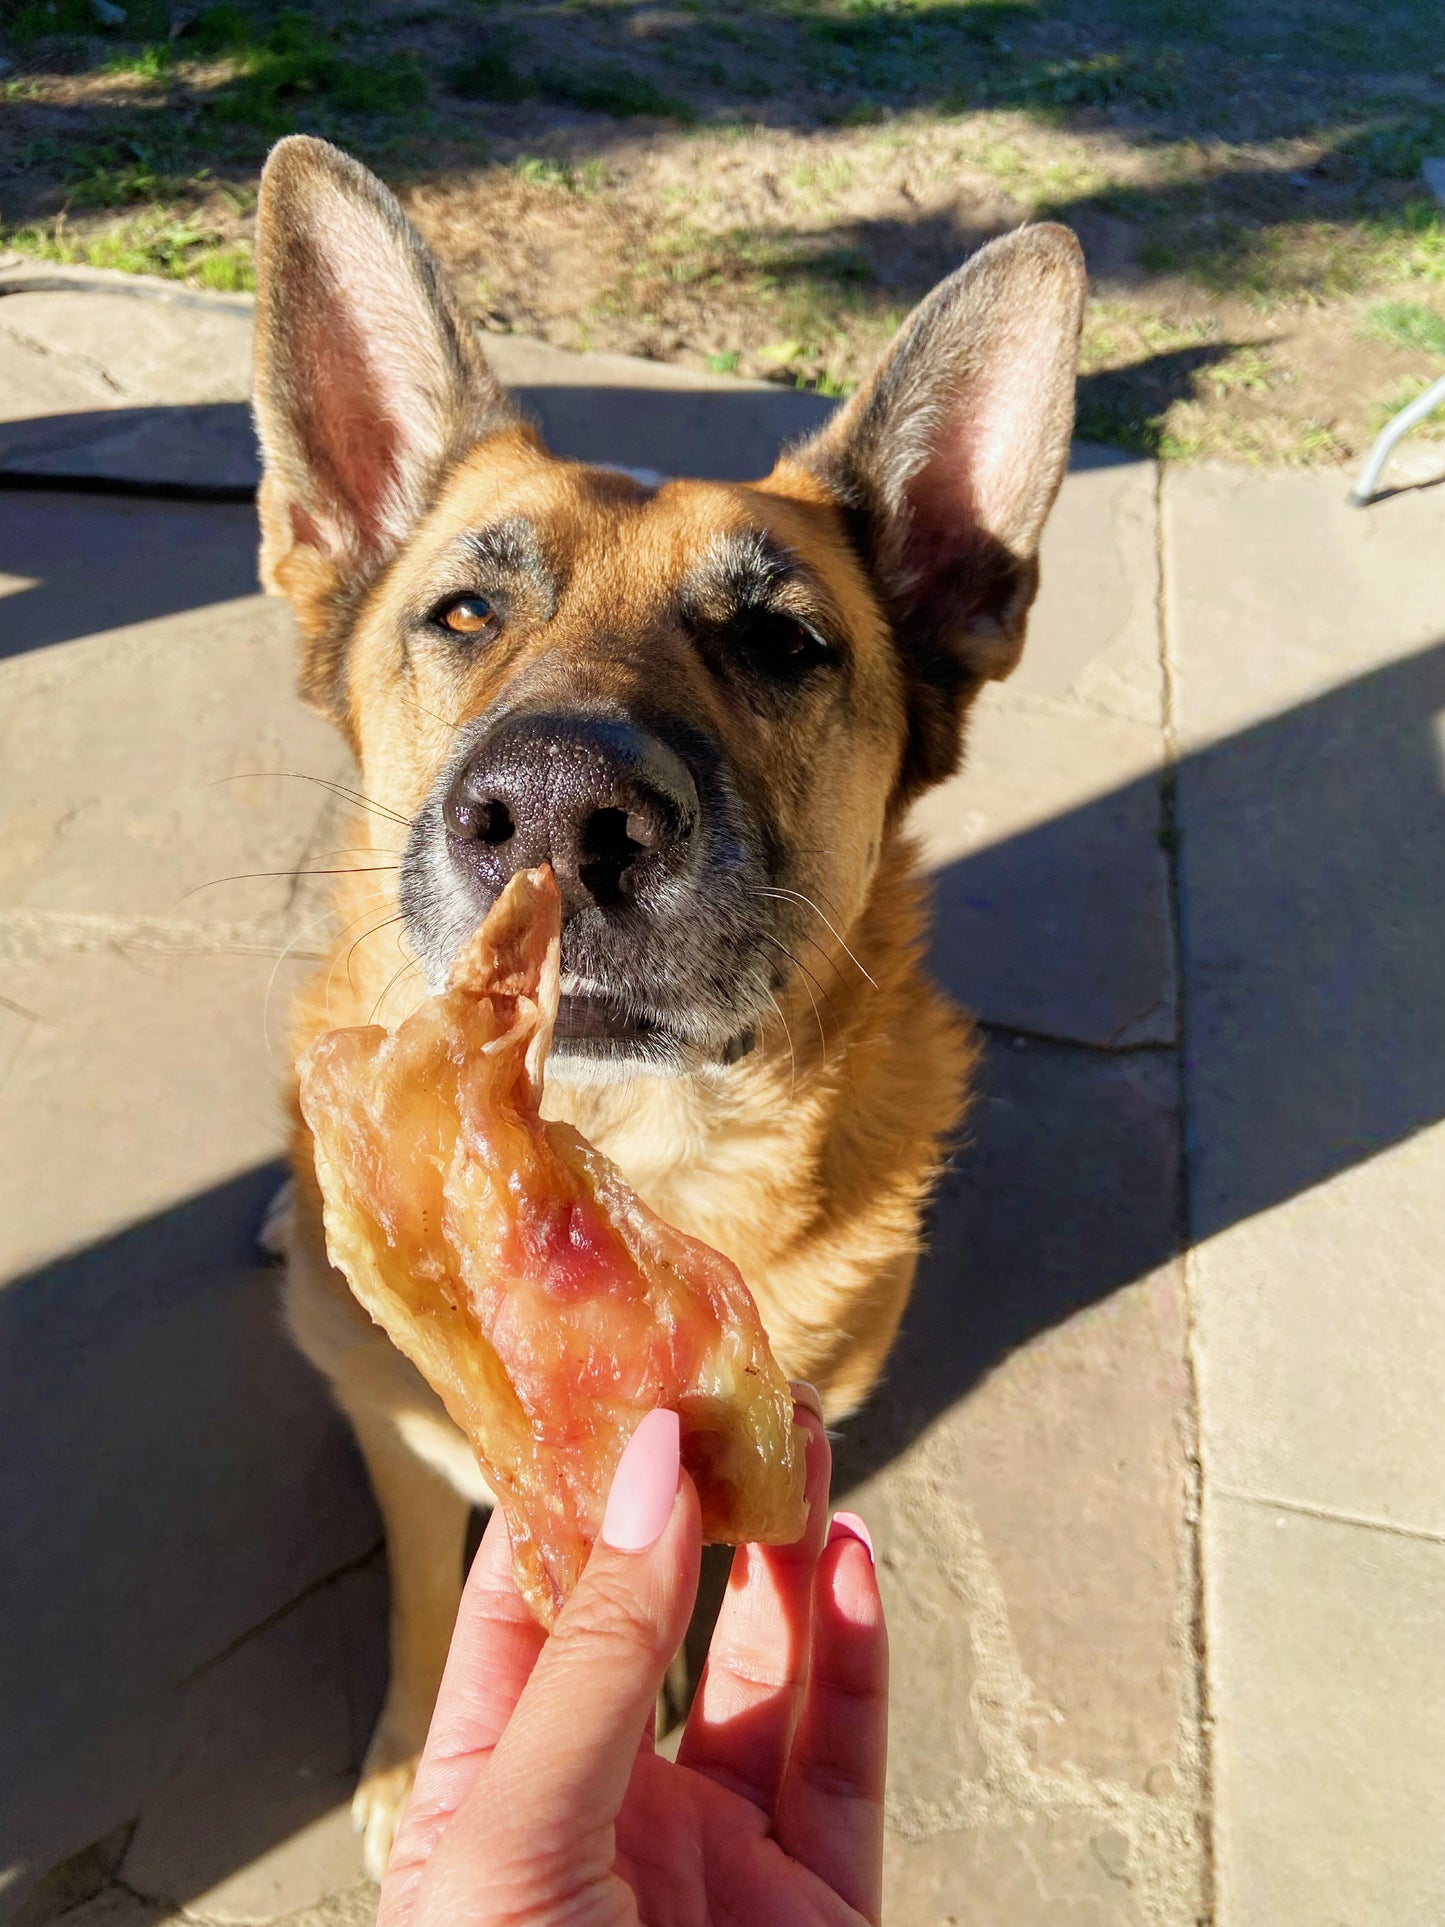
(709, 706)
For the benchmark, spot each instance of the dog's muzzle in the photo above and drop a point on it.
(659, 864)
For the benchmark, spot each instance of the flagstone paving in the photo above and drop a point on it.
(1152, 1474)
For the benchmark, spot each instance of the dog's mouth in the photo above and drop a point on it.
(604, 1028)
(590, 1018)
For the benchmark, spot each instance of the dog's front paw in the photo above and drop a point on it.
(381, 1797)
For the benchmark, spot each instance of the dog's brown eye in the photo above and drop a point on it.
(466, 615)
(776, 644)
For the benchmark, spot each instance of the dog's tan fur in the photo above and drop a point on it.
(809, 1161)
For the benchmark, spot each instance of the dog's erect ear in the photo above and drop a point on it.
(948, 462)
(369, 381)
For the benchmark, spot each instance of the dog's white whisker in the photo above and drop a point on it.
(810, 982)
(342, 790)
(799, 896)
(792, 1054)
(340, 939)
(409, 965)
(817, 1015)
(305, 931)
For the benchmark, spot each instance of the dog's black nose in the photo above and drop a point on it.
(609, 805)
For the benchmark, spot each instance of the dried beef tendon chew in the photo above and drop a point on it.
(530, 1286)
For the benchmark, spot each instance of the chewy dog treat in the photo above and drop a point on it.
(530, 1286)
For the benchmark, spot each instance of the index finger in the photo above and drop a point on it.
(494, 1648)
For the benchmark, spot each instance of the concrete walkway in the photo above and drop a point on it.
(1155, 1476)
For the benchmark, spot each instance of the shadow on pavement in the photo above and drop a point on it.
(88, 567)
(172, 1477)
(202, 458)
(173, 1473)
(1319, 888)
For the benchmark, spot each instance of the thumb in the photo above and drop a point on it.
(560, 1771)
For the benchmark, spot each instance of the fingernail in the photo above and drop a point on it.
(847, 1525)
(807, 1396)
(644, 1484)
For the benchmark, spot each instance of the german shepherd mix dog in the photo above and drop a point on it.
(708, 707)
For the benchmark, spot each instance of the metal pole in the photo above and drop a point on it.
(1398, 426)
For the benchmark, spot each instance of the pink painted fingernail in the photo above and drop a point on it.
(847, 1525)
(807, 1396)
(644, 1484)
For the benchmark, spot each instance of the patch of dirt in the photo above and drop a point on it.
(766, 189)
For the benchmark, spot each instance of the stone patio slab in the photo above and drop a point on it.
(78, 565)
(650, 414)
(1051, 887)
(142, 1080)
(114, 1907)
(134, 339)
(252, 1821)
(1024, 1469)
(171, 1472)
(204, 450)
(1328, 1676)
(123, 378)
(1308, 642)
(1094, 630)
(129, 380)
(150, 686)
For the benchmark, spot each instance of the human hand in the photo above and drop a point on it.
(540, 1797)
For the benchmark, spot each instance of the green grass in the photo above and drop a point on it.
(286, 67)
(1255, 151)
(1406, 324)
(1411, 241)
(1314, 260)
(1400, 396)
(1116, 420)
(298, 63)
(491, 74)
(118, 168)
(1248, 371)
(1133, 78)
(119, 186)
(153, 62)
(616, 90)
(218, 30)
(542, 170)
(225, 270)
(816, 296)
(1391, 149)
(158, 242)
